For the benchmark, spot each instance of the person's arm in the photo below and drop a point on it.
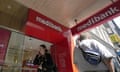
(49, 63)
(35, 61)
(109, 64)
(107, 56)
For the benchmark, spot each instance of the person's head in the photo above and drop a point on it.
(43, 49)
(84, 36)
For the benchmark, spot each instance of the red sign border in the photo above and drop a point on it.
(76, 29)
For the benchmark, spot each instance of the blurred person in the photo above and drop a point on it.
(86, 43)
(44, 60)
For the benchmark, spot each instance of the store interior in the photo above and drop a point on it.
(21, 52)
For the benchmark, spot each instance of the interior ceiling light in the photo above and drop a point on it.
(9, 6)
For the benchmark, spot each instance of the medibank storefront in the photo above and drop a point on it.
(18, 49)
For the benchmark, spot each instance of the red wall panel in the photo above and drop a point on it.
(62, 56)
(4, 39)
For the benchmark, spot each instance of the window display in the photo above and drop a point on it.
(13, 60)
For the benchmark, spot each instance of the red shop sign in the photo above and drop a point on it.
(100, 17)
(44, 28)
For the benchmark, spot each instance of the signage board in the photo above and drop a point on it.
(44, 28)
(98, 18)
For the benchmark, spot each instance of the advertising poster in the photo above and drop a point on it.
(4, 39)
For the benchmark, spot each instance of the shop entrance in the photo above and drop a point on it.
(18, 51)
